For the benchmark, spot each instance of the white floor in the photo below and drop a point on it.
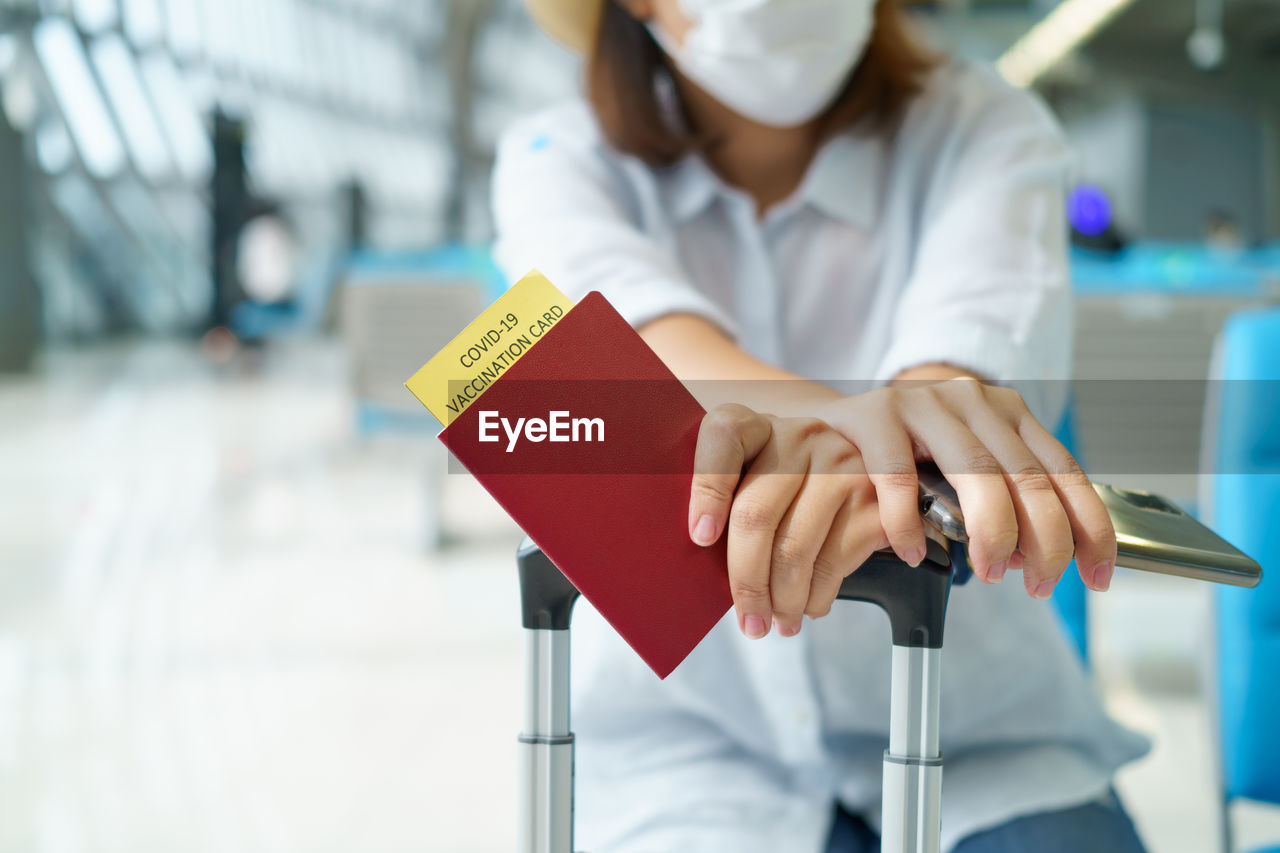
(221, 631)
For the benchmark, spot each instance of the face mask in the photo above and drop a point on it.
(777, 62)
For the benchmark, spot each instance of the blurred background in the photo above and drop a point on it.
(244, 607)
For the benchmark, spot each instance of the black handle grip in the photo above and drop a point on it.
(914, 598)
(546, 595)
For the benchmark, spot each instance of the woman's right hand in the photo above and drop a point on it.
(799, 510)
(1027, 503)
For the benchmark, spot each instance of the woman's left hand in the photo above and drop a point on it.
(1026, 501)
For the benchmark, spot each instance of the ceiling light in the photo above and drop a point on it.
(1069, 25)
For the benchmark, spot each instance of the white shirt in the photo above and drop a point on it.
(945, 243)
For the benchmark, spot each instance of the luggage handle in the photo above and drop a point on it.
(915, 600)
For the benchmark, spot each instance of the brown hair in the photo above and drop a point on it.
(625, 63)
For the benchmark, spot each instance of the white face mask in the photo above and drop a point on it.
(777, 62)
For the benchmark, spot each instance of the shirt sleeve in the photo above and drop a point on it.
(562, 204)
(989, 290)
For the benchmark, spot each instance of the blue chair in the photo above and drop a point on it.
(1244, 446)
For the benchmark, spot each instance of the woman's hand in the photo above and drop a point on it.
(800, 519)
(1027, 504)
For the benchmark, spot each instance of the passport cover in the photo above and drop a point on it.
(611, 514)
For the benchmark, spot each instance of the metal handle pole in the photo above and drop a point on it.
(545, 820)
(911, 810)
(545, 823)
(915, 600)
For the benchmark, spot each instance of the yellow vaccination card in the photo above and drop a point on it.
(458, 374)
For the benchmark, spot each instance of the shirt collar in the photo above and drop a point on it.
(690, 186)
(842, 181)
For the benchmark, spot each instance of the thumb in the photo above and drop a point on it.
(729, 438)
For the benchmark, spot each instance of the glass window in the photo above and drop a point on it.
(184, 25)
(158, 241)
(224, 36)
(279, 38)
(186, 132)
(82, 208)
(96, 15)
(403, 69)
(143, 21)
(53, 7)
(67, 68)
(345, 45)
(54, 149)
(201, 87)
(357, 46)
(8, 51)
(188, 216)
(256, 21)
(18, 100)
(307, 134)
(332, 55)
(289, 42)
(142, 133)
(380, 76)
(311, 53)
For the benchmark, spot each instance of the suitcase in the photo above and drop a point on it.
(915, 600)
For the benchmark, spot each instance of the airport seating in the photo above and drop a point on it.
(1243, 450)
(395, 311)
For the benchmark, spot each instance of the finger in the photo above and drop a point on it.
(762, 500)
(855, 535)
(730, 436)
(1091, 528)
(1044, 531)
(799, 537)
(990, 519)
(890, 460)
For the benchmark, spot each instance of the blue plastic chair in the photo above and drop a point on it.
(1244, 506)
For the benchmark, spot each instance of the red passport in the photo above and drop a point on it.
(607, 500)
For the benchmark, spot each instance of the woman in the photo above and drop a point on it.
(792, 195)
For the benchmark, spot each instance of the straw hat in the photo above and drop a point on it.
(573, 23)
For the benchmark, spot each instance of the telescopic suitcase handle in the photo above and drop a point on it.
(915, 599)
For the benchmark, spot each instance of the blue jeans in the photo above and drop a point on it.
(1100, 827)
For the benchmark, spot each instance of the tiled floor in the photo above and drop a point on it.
(221, 631)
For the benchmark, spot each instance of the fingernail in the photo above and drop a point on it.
(1102, 574)
(915, 557)
(704, 532)
(788, 631)
(1044, 590)
(755, 627)
(995, 573)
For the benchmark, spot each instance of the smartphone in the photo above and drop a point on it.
(1152, 533)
